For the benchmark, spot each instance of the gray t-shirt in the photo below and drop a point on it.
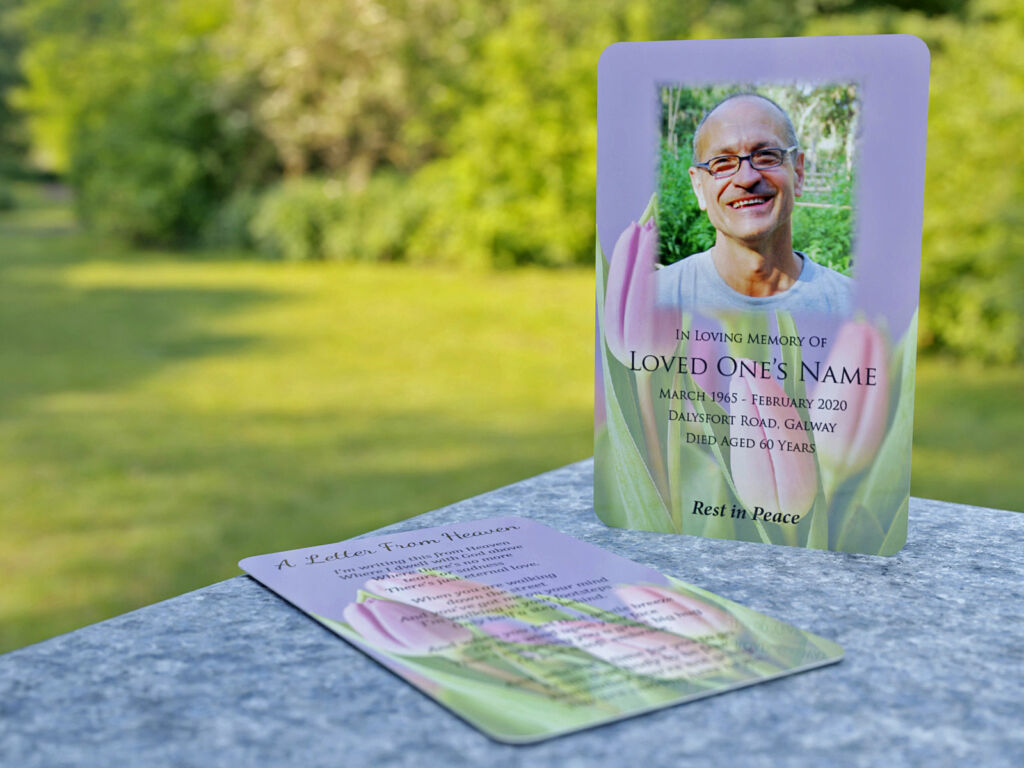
(694, 282)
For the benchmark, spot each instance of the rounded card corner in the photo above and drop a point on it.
(606, 58)
(916, 46)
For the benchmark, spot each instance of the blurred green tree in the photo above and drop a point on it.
(971, 273)
(463, 131)
(351, 86)
(972, 286)
(124, 97)
(13, 139)
(518, 184)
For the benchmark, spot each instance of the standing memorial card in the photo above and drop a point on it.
(527, 633)
(759, 207)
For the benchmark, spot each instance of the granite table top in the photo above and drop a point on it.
(232, 675)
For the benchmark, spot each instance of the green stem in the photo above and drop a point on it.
(817, 537)
(736, 494)
(790, 535)
(673, 440)
(650, 428)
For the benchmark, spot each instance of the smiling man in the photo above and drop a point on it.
(747, 172)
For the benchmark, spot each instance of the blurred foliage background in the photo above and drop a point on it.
(255, 284)
(458, 131)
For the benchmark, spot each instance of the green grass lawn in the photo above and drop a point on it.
(163, 415)
(967, 426)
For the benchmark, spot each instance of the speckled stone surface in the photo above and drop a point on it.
(231, 675)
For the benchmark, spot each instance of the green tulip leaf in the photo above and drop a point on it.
(791, 354)
(897, 535)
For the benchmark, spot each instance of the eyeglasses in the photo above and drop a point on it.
(724, 166)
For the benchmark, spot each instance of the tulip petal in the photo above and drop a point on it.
(451, 597)
(633, 321)
(860, 428)
(640, 650)
(752, 471)
(620, 272)
(673, 612)
(404, 629)
(515, 632)
(782, 478)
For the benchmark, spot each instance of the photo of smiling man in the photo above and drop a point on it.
(747, 171)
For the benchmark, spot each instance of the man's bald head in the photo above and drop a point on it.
(785, 125)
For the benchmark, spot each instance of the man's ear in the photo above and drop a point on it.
(798, 166)
(698, 189)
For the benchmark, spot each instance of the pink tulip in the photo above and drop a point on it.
(772, 464)
(673, 612)
(452, 597)
(710, 380)
(632, 322)
(860, 428)
(641, 650)
(514, 632)
(403, 629)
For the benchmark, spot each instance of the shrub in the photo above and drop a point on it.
(7, 201)
(292, 218)
(826, 234)
(682, 226)
(230, 226)
(376, 223)
(314, 219)
(156, 164)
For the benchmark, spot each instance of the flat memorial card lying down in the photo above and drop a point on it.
(527, 633)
